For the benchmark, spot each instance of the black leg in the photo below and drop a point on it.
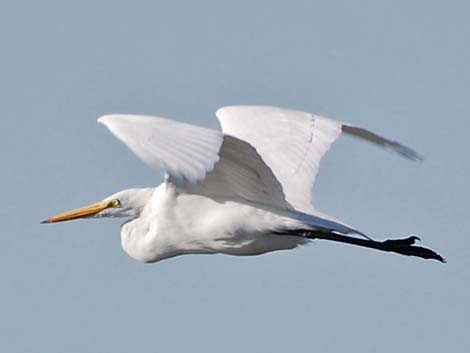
(400, 246)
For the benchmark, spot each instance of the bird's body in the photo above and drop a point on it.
(175, 222)
(245, 191)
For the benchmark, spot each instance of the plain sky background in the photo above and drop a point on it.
(400, 68)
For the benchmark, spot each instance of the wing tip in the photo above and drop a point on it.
(105, 119)
(409, 153)
(374, 138)
(113, 121)
(109, 118)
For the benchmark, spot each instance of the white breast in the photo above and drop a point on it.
(179, 223)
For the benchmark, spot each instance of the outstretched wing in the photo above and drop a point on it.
(186, 152)
(199, 160)
(241, 174)
(292, 143)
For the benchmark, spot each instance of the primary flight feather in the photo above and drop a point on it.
(244, 191)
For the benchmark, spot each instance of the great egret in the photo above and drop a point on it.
(244, 191)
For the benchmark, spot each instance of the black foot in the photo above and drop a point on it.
(403, 242)
(406, 247)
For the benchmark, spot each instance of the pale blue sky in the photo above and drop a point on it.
(400, 68)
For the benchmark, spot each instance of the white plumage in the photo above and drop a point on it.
(184, 151)
(246, 190)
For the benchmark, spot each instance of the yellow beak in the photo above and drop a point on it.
(87, 211)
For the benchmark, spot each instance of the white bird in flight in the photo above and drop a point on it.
(244, 191)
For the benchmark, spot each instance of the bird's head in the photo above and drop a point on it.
(127, 203)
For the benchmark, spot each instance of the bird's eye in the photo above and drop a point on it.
(115, 203)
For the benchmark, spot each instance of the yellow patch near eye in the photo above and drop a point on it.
(115, 203)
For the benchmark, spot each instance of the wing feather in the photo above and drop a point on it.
(292, 143)
(241, 174)
(199, 160)
(186, 152)
(266, 154)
